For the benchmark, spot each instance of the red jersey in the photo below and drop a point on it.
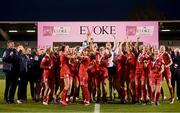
(166, 58)
(84, 67)
(64, 65)
(103, 66)
(104, 60)
(121, 59)
(74, 66)
(97, 61)
(47, 65)
(131, 61)
(95, 64)
(142, 61)
(155, 68)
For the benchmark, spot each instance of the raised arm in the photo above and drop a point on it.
(120, 47)
(137, 42)
(90, 40)
(137, 45)
(127, 45)
(115, 44)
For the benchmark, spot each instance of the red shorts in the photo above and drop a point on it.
(70, 77)
(46, 75)
(131, 76)
(48, 79)
(76, 78)
(83, 81)
(101, 75)
(104, 72)
(139, 75)
(155, 82)
(45, 79)
(98, 80)
(65, 76)
(156, 79)
(64, 71)
(120, 75)
(92, 70)
(146, 72)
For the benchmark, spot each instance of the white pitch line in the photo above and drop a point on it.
(96, 108)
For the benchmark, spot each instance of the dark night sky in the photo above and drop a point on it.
(54, 10)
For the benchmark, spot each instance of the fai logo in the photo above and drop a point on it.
(131, 30)
(139, 30)
(47, 30)
(56, 30)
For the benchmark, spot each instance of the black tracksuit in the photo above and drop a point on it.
(22, 78)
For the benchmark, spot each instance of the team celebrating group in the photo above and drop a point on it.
(132, 70)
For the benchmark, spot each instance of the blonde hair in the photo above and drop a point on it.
(162, 46)
(48, 50)
(176, 50)
(101, 49)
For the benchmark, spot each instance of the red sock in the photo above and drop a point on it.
(137, 92)
(48, 98)
(63, 95)
(152, 96)
(142, 92)
(87, 95)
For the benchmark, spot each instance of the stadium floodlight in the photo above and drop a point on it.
(13, 31)
(165, 30)
(30, 31)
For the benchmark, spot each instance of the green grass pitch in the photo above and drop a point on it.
(31, 106)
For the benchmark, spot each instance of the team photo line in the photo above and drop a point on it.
(133, 71)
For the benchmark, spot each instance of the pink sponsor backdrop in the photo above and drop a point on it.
(75, 36)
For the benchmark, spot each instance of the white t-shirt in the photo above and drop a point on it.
(110, 60)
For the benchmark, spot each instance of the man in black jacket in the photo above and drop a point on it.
(38, 55)
(10, 67)
(30, 73)
(175, 69)
(22, 78)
